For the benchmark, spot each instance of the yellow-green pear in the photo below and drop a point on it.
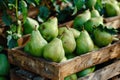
(49, 29)
(30, 25)
(84, 43)
(68, 40)
(54, 50)
(81, 19)
(36, 44)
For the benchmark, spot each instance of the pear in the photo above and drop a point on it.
(96, 48)
(49, 29)
(102, 38)
(86, 71)
(29, 25)
(81, 19)
(112, 9)
(114, 1)
(75, 32)
(68, 40)
(64, 59)
(36, 44)
(54, 50)
(84, 43)
(71, 77)
(4, 65)
(94, 13)
(93, 22)
(70, 56)
(90, 3)
(119, 4)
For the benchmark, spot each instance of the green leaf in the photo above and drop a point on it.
(108, 29)
(37, 2)
(23, 6)
(11, 43)
(43, 12)
(79, 3)
(99, 7)
(13, 28)
(34, 2)
(6, 19)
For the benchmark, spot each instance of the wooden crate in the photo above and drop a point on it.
(57, 71)
(108, 72)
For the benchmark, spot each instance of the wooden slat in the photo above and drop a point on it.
(14, 76)
(20, 74)
(106, 20)
(57, 71)
(104, 73)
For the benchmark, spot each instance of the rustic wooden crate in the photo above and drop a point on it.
(108, 72)
(57, 71)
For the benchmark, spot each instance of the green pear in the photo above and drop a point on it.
(86, 71)
(119, 4)
(81, 19)
(30, 25)
(4, 65)
(54, 50)
(102, 38)
(112, 9)
(71, 77)
(68, 40)
(94, 13)
(36, 44)
(49, 29)
(64, 59)
(90, 3)
(70, 56)
(96, 48)
(75, 32)
(93, 22)
(114, 1)
(84, 43)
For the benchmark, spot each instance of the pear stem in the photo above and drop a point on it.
(93, 8)
(67, 27)
(35, 28)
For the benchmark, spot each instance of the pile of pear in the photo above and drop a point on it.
(58, 44)
(55, 43)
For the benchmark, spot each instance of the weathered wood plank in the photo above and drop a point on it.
(104, 73)
(57, 71)
(111, 19)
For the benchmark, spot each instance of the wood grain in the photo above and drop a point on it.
(57, 71)
(104, 73)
